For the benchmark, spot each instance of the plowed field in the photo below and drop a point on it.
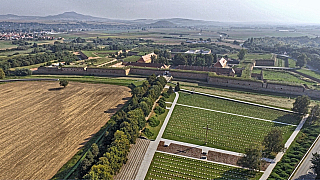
(42, 125)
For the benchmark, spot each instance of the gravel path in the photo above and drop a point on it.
(135, 157)
(154, 145)
(267, 173)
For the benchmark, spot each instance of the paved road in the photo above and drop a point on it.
(304, 171)
(154, 145)
(268, 171)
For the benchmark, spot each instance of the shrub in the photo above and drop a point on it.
(165, 94)
(153, 121)
(162, 103)
(159, 110)
(148, 132)
(63, 83)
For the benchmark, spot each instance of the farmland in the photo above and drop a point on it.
(228, 132)
(43, 125)
(165, 166)
(237, 108)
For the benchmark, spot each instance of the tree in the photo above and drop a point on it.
(252, 158)
(64, 83)
(301, 60)
(242, 54)
(179, 59)
(98, 172)
(2, 75)
(273, 141)
(316, 164)
(170, 90)
(301, 104)
(215, 58)
(177, 88)
(315, 112)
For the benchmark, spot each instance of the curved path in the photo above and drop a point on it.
(154, 144)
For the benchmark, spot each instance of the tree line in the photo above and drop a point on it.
(104, 161)
(304, 49)
(18, 61)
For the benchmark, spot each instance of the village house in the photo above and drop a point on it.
(222, 63)
(146, 58)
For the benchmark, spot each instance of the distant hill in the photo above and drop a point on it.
(73, 16)
(162, 23)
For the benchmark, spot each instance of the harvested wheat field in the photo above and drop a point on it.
(42, 125)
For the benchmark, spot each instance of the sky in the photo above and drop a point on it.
(278, 11)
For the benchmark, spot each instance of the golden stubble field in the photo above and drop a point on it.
(42, 126)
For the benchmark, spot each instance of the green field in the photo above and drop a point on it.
(228, 132)
(6, 44)
(165, 166)
(29, 67)
(121, 81)
(310, 73)
(292, 63)
(237, 108)
(131, 58)
(252, 56)
(89, 53)
(284, 76)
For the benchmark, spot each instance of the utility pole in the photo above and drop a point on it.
(207, 128)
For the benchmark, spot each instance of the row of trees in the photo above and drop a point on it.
(18, 61)
(303, 49)
(104, 161)
(194, 60)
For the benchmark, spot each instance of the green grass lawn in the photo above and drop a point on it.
(29, 67)
(252, 56)
(228, 132)
(165, 166)
(156, 129)
(13, 52)
(6, 44)
(284, 76)
(131, 58)
(292, 63)
(89, 53)
(310, 73)
(237, 108)
(94, 79)
(102, 60)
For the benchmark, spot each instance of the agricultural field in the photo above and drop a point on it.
(165, 166)
(44, 125)
(237, 108)
(230, 132)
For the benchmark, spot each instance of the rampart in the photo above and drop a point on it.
(82, 71)
(224, 81)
